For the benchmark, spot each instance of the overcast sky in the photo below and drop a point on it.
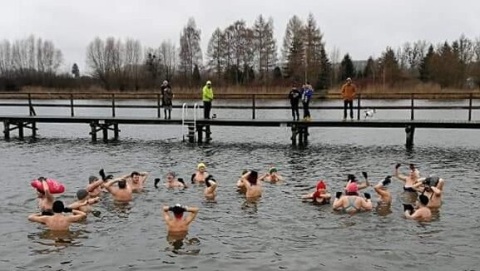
(361, 28)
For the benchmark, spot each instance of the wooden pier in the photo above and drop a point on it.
(199, 130)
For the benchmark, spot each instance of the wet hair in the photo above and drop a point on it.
(82, 194)
(134, 173)
(252, 177)
(42, 179)
(423, 199)
(122, 184)
(177, 211)
(351, 177)
(58, 207)
(92, 179)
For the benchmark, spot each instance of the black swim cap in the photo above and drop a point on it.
(58, 207)
(81, 194)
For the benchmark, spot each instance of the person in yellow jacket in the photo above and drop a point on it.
(207, 97)
(348, 94)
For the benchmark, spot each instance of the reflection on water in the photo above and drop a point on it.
(181, 244)
(55, 241)
(383, 209)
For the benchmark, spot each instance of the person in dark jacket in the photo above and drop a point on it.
(294, 97)
(167, 97)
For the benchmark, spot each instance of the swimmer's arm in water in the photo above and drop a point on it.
(39, 218)
(338, 203)
(76, 216)
(441, 183)
(93, 200)
(193, 213)
(415, 215)
(91, 187)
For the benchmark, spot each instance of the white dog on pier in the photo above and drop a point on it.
(368, 113)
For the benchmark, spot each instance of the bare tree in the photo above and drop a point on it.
(215, 53)
(168, 53)
(190, 50)
(265, 47)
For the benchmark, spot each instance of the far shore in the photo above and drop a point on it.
(273, 93)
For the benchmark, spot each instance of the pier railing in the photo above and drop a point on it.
(30, 101)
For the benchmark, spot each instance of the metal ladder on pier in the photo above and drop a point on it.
(189, 123)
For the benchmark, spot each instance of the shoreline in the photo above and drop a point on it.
(274, 94)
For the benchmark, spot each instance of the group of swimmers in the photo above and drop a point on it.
(426, 194)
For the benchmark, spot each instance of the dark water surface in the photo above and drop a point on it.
(278, 233)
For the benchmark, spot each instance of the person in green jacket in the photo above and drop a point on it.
(207, 97)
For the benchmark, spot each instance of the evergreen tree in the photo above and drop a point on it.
(190, 50)
(346, 68)
(293, 50)
(425, 66)
(265, 47)
(75, 70)
(216, 53)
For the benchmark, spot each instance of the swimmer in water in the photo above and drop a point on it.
(432, 187)
(94, 187)
(84, 202)
(382, 191)
(422, 213)
(240, 185)
(173, 182)
(409, 180)
(252, 185)
(272, 176)
(353, 179)
(351, 203)
(320, 195)
(57, 221)
(200, 175)
(45, 198)
(136, 180)
(178, 224)
(210, 191)
(122, 193)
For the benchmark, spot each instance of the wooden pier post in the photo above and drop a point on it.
(6, 129)
(115, 131)
(208, 133)
(200, 133)
(34, 130)
(93, 127)
(105, 132)
(20, 130)
(294, 134)
(410, 131)
(300, 135)
(191, 133)
(305, 134)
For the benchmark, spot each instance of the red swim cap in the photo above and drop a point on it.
(352, 188)
(321, 185)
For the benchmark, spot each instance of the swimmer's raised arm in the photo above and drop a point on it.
(91, 187)
(76, 216)
(397, 174)
(367, 203)
(39, 218)
(193, 213)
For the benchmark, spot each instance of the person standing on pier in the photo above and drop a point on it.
(294, 97)
(348, 94)
(307, 94)
(167, 97)
(207, 97)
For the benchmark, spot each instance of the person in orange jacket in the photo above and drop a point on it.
(348, 94)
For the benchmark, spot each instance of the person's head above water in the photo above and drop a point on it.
(92, 179)
(423, 200)
(82, 194)
(122, 184)
(177, 210)
(321, 185)
(201, 167)
(352, 189)
(272, 170)
(252, 177)
(58, 207)
(351, 178)
(171, 176)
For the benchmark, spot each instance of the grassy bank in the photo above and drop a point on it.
(421, 91)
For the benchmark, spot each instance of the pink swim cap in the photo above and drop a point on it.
(352, 188)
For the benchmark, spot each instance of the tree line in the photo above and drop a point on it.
(238, 55)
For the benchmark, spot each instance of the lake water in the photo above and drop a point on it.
(278, 233)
